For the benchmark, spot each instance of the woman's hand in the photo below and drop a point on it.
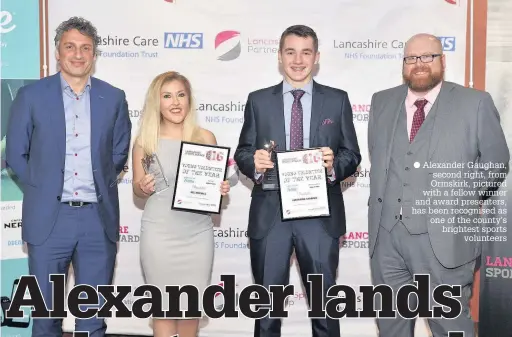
(224, 187)
(147, 184)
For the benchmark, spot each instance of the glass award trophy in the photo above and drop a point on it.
(151, 165)
(270, 181)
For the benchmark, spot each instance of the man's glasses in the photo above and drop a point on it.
(423, 58)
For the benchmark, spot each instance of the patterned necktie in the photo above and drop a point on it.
(296, 131)
(419, 117)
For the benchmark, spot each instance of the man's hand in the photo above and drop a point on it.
(262, 161)
(328, 158)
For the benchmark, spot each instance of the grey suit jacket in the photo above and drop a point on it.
(466, 130)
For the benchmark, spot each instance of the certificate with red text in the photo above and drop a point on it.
(302, 184)
(201, 171)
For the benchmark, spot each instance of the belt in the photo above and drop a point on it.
(77, 203)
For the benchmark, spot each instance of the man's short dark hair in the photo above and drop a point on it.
(299, 30)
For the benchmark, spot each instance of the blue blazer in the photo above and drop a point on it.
(36, 146)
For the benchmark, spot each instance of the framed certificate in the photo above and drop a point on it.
(201, 170)
(302, 184)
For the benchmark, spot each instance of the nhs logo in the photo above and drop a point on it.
(183, 40)
(447, 42)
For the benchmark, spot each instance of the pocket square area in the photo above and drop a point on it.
(327, 121)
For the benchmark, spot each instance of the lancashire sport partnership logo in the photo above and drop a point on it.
(227, 45)
(452, 2)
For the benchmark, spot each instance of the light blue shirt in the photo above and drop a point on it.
(78, 176)
(306, 101)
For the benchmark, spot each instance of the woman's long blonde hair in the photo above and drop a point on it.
(149, 123)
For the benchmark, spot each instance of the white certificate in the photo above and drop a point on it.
(201, 170)
(302, 184)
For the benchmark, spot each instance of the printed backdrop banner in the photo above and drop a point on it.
(20, 64)
(227, 52)
(496, 264)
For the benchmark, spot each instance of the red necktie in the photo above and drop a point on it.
(419, 117)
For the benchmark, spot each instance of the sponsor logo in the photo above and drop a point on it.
(354, 240)
(16, 223)
(6, 24)
(230, 238)
(448, 42)
(8, 207)
(369, 49)
(183, 40)
(360, 112)
(452, 2)
(135, 113)
(127, 237)
(227, 45)
(498, 266)
(358, 179)
(170, 1)
(139, 46)
(218, 112)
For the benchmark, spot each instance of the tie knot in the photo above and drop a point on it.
(298, 93)
(420, 104)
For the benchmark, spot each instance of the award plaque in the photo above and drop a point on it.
(201, 171)
(151, 165)
(303, 185)
(270, 181)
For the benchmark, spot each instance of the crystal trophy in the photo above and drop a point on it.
(152, 165)
(270, 181)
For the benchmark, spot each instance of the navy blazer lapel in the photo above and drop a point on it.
(96, 114)
(57, 117)
(277, 119)
(316, 112)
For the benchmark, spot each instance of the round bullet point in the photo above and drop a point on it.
(416, 164)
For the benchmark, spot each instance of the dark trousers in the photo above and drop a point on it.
(316, 252)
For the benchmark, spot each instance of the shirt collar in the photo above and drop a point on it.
(65, 86)
(430, 96)
(308, 87)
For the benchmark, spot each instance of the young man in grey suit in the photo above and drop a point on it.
(296, 113)
(427, 135)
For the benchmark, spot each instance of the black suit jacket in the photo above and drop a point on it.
(331, 126)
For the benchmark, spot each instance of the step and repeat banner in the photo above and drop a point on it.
(228, 51)
(20, 65)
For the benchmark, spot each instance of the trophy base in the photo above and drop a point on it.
(269, 187)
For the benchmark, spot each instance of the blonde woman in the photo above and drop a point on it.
(176, 248)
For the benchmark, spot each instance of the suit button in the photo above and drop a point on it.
(396, 216)
(62, 170)
(409, 153)
(407, 168)
(380, 200)
(399, 199)
(58, 198)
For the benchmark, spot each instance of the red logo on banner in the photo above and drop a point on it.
(452, 2)
(171, 1)
(227, 45)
